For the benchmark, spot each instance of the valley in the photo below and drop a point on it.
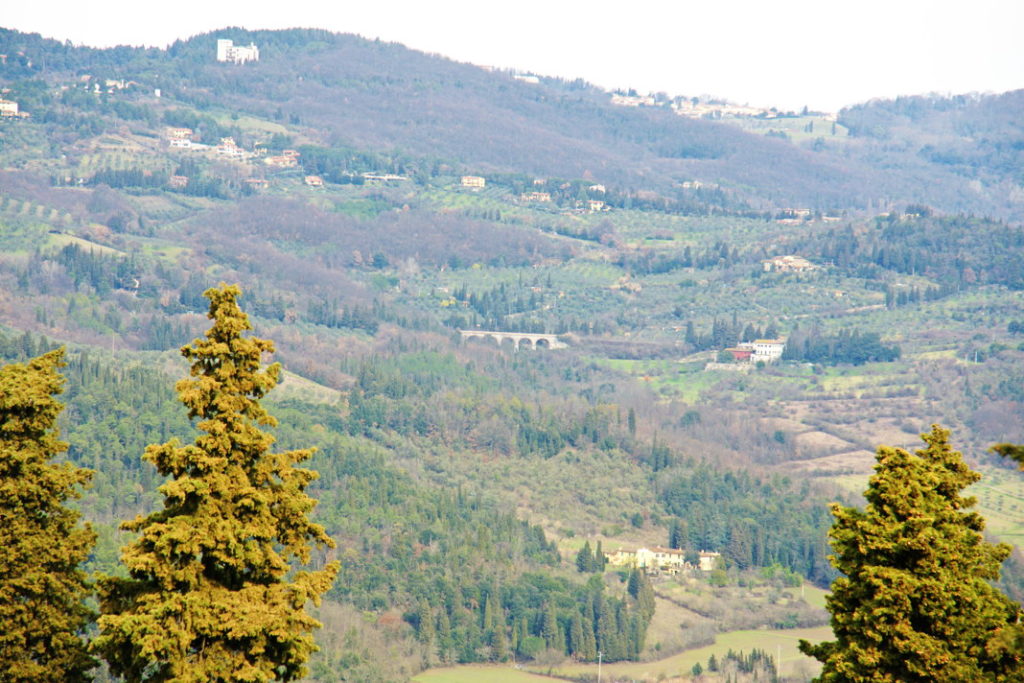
(461, 476)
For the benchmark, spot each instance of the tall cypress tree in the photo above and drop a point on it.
(42, 587)
(914, 603)
(209, 596)
(585, 558)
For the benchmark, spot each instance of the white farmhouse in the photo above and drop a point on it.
(767, 350)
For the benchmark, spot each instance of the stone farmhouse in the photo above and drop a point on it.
(659, 559)
(9, 110)
(787, 264)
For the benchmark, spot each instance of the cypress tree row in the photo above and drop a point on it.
(914, 603)
(41, 547)
(210, 597)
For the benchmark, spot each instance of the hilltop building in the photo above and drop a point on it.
(474, 181)
(227, 51)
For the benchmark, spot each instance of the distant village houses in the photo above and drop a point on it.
(227, 51)
(536, 197)
(621, 100)
(314, 181)
(710, 110)
(474, 181)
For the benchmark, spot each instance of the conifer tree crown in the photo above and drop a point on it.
(209, 596)
(914, 603)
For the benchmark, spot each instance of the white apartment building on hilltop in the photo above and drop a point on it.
(227, 51)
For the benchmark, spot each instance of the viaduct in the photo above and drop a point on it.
(533, 341)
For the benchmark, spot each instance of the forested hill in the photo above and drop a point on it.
(346, 91)
(980, 138)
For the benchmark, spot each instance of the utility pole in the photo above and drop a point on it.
(599, 653)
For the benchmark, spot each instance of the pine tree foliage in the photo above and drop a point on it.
(41, 546)
(913, 603)
(210, 597)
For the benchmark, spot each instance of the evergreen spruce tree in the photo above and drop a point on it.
(914, 603)
(210, 597)
(42, 587)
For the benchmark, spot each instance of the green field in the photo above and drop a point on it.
(479, 673)
(773, 642)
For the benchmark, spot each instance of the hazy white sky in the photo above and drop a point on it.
(785, 53)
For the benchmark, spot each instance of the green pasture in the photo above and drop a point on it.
(297, 387)
(21, 237)
(774, 642)
(60, 240)
(796, 127)
(479, 673)
(668, 377)
(252, 124)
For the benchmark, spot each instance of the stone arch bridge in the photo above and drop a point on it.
(531, 340)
